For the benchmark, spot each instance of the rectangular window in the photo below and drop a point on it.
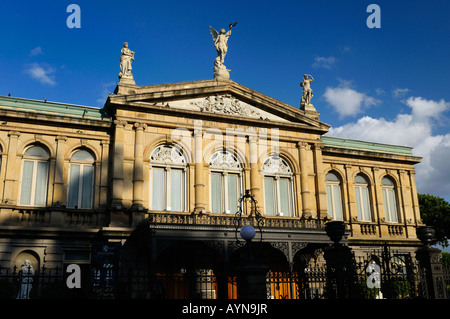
(233, 189)
(393, 206)
(358, 203)
(269, 196)
(330, 202)
(158, 189)
(74, 185)
(86, 190)
(41, 183)
(337, 199)
(390, 207)
(216, 193)
(176, 190)
(284, 197)
(365, 203)
(27, 180)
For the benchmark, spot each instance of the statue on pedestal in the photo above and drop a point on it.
(26, 274)
(307, 92)
(125, 63)
(221, 45)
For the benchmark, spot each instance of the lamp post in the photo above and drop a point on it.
(251, 274)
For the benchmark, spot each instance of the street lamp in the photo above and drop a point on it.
(248, 232)
(251, 274)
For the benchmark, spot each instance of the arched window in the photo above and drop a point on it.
(225, 182)
(81, 180)
(34, 182)
(278, 189)
(389, 199)
(334, 198)
(167, 179)
(362, 198)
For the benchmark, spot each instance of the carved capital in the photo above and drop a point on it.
(140, 126)
(61, 138)
(120, 123)
(253, 138)
(198, 132)
(318, 146)
(104, 142)
(303, 145)
(13, 133)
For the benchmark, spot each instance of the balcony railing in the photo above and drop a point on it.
(228, 220)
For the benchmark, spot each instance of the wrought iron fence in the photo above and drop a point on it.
(380, 274)
(27, 283)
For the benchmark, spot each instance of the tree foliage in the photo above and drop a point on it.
(435, 212)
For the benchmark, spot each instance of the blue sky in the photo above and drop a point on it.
(387, 85)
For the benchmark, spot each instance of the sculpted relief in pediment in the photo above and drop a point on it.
(226, 104)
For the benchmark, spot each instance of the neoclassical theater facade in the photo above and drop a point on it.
(159, 173)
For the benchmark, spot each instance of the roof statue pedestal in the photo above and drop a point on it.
(126, 81)
(305, 103)
(221, 44)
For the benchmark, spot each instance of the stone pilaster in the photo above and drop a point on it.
(138, 173)
(104, 173)
(305, 193)
(321, 191)
(254, 171)
(199, 183)
(117, 178)
(59, 197)
(11, 191)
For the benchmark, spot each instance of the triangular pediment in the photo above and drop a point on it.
(216, 98)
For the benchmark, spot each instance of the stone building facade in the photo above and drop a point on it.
(159, 171)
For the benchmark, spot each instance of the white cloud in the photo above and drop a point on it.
(415, 130)
(322, 62)
(347, 101)
(36, 51)
(41, 72)
(379, 91)
(400, 92)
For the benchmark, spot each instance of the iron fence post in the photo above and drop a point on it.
(430, 260)
(339, 260)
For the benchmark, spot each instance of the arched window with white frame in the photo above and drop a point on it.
(334, 197)
(34, 180)
(362, 198)
(389, 199)
(225, 182)
(278, 187)
(168, 179)
(81, 180)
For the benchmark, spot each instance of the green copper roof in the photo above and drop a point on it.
(366, 146)
(45, 107)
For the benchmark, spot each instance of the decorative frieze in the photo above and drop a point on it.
(226, 104)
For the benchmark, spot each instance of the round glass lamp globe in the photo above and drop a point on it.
(248, 232)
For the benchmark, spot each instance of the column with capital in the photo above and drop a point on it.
(138, 172)
(306, 195)
(352, 212)
(10, 191)
(199, 183)
(103, 200)
(322, 207)
(405, 207)
(415, 198)
(117, 177)
(254, 171)
(378, 195)
(58, 185)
